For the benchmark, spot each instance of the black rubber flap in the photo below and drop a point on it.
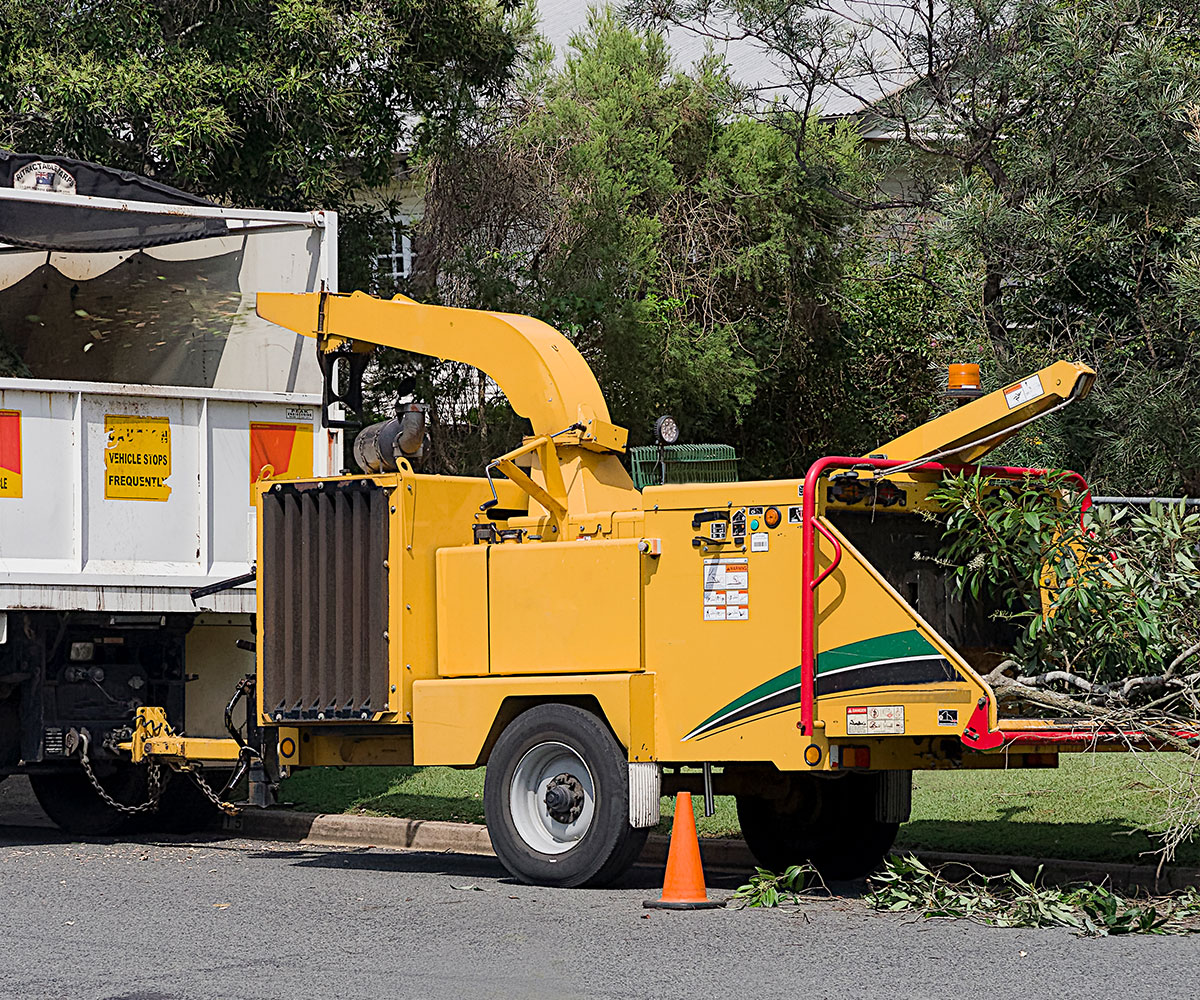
(78, 229)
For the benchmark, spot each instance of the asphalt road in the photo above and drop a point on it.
(214, 919)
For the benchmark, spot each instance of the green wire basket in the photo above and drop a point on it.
(686, 463)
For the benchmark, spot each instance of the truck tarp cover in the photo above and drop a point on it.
(77, 228)
(128, 297)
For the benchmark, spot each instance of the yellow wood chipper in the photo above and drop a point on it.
(598, 647)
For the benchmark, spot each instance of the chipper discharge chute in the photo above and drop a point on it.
(598, 647)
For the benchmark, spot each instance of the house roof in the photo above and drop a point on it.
(865, 69)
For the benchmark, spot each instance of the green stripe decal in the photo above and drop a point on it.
(763, 694)
(896, 646)
(770, 694)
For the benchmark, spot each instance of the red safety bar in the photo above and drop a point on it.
(1014, 738)
(809, 581)
(837, 554)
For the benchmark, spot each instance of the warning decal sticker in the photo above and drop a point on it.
(280, 451)
(10, 453)
(137, 457)
(875, 720)
(1023, 392)
(726, 590)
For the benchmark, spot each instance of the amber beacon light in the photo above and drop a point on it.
(963, 381)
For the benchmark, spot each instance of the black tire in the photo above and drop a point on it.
(828, 822)
(624, 857)
(607, 847)
(75, 807)
(776, 833)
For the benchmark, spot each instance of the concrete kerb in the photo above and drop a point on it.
(719, 854)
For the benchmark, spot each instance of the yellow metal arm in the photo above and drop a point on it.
(544, 377)
(966, 434)
(153, 738)
(554, 496)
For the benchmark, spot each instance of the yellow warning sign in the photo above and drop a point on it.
(137, 457)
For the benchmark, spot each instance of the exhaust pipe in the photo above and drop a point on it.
(380, 447)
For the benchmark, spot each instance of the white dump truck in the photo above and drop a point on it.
(140, 399)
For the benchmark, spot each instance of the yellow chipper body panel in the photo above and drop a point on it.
(597, 646)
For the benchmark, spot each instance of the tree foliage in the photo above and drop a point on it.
(696, 255)
(906, 884)
(1046, 159)
(269, 103)
(1101, 595)
(1108, 601)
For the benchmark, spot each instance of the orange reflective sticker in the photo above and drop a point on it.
(10, 453)
(280, 451)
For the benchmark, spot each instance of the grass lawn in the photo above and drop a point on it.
(1091, 808)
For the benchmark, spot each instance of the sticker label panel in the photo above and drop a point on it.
(726, 594)
(760, 541)
(137, 457)
(875, 720)
(947, 716)
(795, 514)
(1023, 391)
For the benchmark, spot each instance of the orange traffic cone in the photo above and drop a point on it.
(683, 886)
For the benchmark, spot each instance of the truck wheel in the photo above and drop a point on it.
(73, 805)
(827, 822)
(556, 797)
(183, 808)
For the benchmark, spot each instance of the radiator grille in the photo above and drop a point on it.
(325, 600)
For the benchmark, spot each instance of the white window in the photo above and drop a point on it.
(398, 263)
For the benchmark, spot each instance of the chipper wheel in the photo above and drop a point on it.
(556, 796)
(829, 822)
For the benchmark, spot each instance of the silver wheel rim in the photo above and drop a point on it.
(527, 798)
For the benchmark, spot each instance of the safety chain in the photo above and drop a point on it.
(153, 777)
(228, 808)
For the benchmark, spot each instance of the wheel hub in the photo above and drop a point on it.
(564, 798)
(552, 797)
